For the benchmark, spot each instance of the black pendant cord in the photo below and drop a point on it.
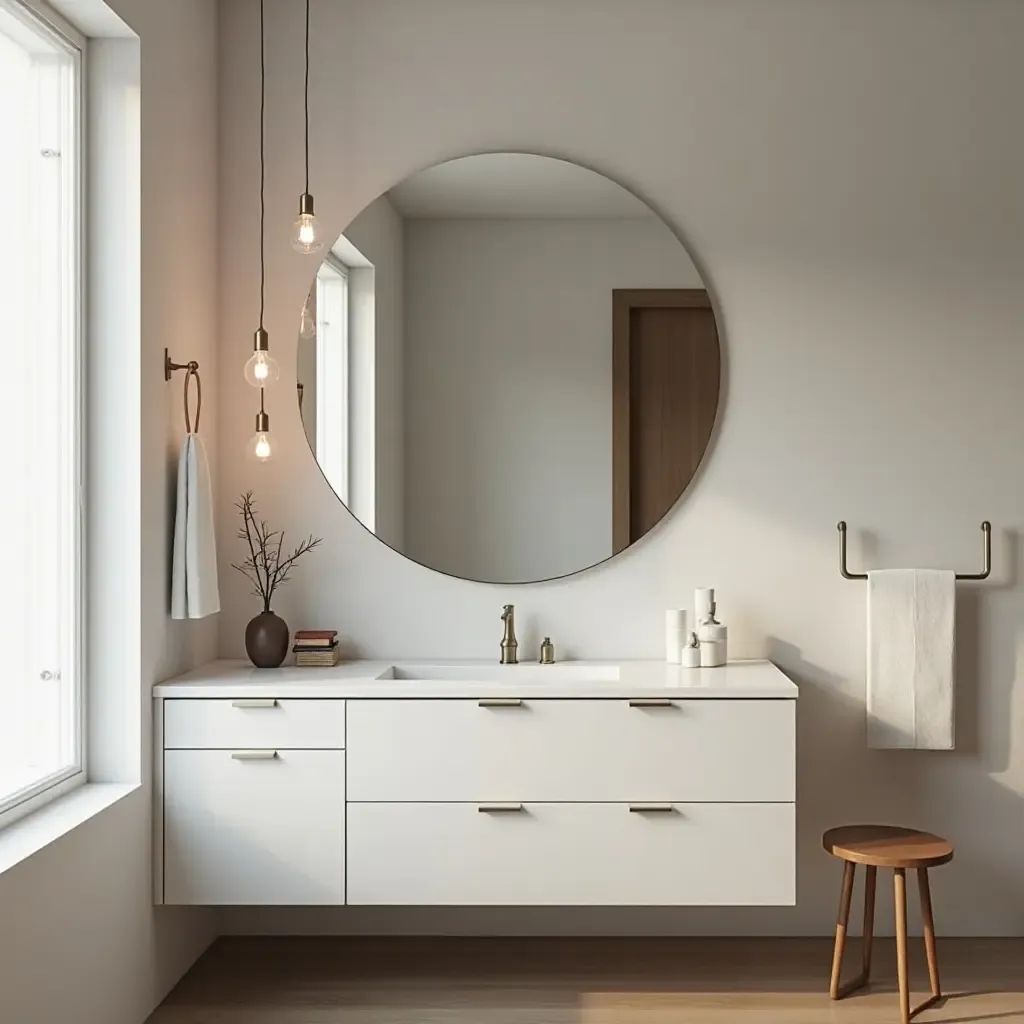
(306, 98)
(263, 205)
(263, 411)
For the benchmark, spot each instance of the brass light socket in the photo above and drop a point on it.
(306, 204)
(262, 422)
(261, 341)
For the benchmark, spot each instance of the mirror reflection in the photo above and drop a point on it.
(508, 368)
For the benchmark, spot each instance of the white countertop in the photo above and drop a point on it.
(474, 679)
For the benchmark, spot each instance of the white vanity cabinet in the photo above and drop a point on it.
(318, 787)
(253, 801)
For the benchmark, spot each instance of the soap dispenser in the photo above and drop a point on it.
(547, 652)
(690, 654)
(714, 640)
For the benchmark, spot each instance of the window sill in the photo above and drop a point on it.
(37, 830)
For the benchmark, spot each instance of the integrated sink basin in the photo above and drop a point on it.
(526, 673)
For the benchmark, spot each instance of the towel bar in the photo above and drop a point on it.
(986, 529)
(191, 369)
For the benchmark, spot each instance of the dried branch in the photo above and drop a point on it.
(245, 505)
(284, 568)
(265, 569)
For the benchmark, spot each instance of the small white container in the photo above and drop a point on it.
(712, 653)
(675, 633)
(711, 630)
(703, 605)
(689, 656)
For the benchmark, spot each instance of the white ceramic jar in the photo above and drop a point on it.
(676, 634)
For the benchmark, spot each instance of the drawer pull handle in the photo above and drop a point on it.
(260, 702)
(652, 809)
(500, 808)
(254, 755)
(652, 702)
(501, 702)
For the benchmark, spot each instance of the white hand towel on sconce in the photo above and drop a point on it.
(194, 589)
(910, 658)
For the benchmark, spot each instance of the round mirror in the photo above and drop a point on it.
(508, 368)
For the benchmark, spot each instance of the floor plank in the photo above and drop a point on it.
(579, 981)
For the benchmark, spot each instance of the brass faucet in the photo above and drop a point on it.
(509, 644)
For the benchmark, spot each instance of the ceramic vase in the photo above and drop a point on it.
(266, 640)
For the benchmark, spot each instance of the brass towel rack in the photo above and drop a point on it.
(191, 369)
(986, 529)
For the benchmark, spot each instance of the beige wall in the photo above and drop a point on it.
(81, 940)
(848, 177)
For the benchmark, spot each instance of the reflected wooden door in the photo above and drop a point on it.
(666, 372)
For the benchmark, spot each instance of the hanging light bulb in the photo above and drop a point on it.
(261, 371)
(306, 232)
(307, 325)
(306, 237)
(260, 446)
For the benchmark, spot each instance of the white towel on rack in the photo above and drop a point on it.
(910, 658)
(194, 589)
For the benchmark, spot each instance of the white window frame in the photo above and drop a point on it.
(333, 418)
(43, 18)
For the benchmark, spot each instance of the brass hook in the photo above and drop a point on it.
(191, 369)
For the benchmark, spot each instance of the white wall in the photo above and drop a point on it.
(87, 945)
(508, 346)
(848, 177)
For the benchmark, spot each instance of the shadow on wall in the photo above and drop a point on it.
(840, 781)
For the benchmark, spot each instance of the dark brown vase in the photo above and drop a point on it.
(266, 640)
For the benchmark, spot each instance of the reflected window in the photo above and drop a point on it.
(332, 375)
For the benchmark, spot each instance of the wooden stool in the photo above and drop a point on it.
(886, 846)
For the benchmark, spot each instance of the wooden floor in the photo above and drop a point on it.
(579, 981)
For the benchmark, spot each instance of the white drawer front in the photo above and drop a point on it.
(250, 827)
(571, 854)
(571, 750)
(254, 722)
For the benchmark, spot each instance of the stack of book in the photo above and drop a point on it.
(316, 648)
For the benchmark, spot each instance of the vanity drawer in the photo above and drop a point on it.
(571, 750)
(254, 827)
(263, 722)
(571, 854)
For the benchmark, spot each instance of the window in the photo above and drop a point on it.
(41, 714)
(332, 375)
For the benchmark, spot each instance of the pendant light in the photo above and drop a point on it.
(261, 369)
(306, 236)
(260, 446)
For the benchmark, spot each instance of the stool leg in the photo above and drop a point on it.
(928, 926)
(841, 924)
(900, 895)
(929, 930)
(869, 919)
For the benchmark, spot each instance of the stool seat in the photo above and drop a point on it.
(887, 846)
